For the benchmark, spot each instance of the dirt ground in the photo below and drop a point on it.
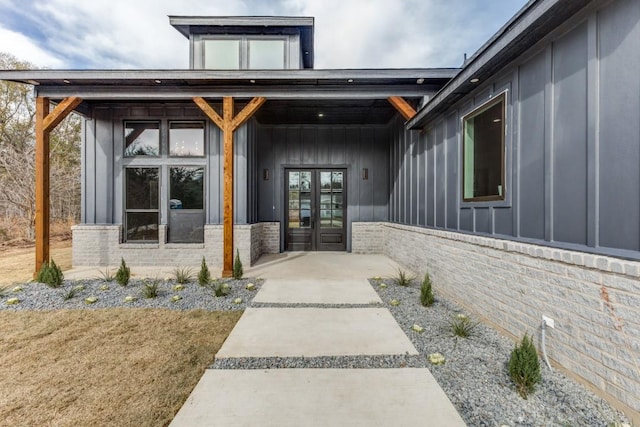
(114, 367)
(17, 263)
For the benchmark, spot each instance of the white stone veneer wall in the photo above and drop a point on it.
(100, 245)
(511, 285)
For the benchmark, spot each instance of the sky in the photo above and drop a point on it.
(135, 34)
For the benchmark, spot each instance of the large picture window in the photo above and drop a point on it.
(483, 161)
(164, 176)
(141, 204)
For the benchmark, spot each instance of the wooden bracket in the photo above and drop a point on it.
(403, 107)
(228, 124)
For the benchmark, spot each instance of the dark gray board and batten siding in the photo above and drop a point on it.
(572, 145)
(353, 147)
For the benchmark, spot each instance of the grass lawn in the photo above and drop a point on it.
(112, 367)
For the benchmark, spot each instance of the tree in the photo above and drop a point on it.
(17, 160)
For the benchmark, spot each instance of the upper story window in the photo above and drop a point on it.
(266, 54)
(483, 162)
(242, 52)
(222, 54)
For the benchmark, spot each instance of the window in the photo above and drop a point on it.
(186, 139)
(222, 54)
(244, 52)
(483, 152)
(186, 204)
(141, 204)
(266, 54)
(168, 186)
(141, 139)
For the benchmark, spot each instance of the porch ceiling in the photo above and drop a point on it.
(337, 111)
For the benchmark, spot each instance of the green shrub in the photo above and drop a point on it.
(524, 367)
(69, 294)
(222, 289)
(204, 277)
(462, 326)
(150, 289)
(237, 267)
(403, 278)
(124, 273)
(50, 274)
(426, 292)
(183, 275)
(4, 291)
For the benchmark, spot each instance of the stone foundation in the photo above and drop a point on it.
(101, 246)
(594, 300)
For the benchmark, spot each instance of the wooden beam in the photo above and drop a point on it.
(403, 107)
(42, 184)
(209, 111)
(247, 112)
(61, 111)
(228, 124)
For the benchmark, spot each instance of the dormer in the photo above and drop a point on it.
(247, 43)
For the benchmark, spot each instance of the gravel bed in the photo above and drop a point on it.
(38, 296)
(475, 376)
(338, 362)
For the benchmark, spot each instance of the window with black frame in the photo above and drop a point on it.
(484, 152)
(186, 204)
(141, 204)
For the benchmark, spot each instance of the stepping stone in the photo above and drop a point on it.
(317, 397)
(310, 332)
(314, 291)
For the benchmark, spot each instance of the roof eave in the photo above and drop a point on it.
(533, 22)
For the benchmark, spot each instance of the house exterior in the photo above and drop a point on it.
(514, 180)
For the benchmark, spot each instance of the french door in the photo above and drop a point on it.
(315, 202)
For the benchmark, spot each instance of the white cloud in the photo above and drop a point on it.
(348, 33)
(23, 48)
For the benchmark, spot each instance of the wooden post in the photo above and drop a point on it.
(402, 106)
(227, 204)
(42, 184)
(45, 123)
(228, 124)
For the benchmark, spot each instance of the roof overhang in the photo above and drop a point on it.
(142, 85)
(530, 25)
(224, 25)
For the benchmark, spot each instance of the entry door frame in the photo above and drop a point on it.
(317, 231)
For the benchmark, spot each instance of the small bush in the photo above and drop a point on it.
(150, 289)
(204, 277)
(403, 278)
(426, 292)
(183, 275)
(123, 274)
(524, 367)
(50, 274)
(237, 267)
(4, 291)
(462, 326)
(107, 276)
(69, 294)
(222, 289)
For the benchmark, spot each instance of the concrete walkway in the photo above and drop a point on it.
(317, 397)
